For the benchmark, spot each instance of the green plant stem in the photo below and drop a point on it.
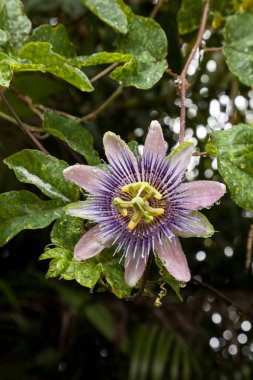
(104, 105)
(104, 72)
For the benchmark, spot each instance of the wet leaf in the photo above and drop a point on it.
(73, 133)
(235, 162)
(14, 22)
(110, 12)
(43, 171)
(101, 58)
(147, 41)
(40, 56)
(238, 46)
(67, 231)
(21, 210)
(57, 36)
(114, 273)
(61, 259)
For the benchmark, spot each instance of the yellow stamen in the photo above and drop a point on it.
(140, 192)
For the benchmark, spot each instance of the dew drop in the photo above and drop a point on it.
(91, 290)
(217, 203)
(242, 166)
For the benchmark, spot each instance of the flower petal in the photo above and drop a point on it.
(201, 194)
(85, 176)
(180, 159)
(91, 243)
(116, 151)
(80, 210)
(134, 268)
(173, 258)
(193, 224)
(154, 142)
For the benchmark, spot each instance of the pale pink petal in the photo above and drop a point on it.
(115, 149)
(85, 176)
(134, 268)
(180, 159)
(80, 210)
(154, 142)
(172, 256)
(201, 194)
(91, 243)
(194, 224)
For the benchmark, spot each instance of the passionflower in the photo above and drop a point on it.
(141, 205)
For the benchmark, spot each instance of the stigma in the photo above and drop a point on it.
(141, 192)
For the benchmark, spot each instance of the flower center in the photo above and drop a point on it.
(140, 193)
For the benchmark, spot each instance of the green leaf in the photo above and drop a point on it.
(20, 210)
(114, 273)
(170, 280)
(133, 145)
(73, 133)
(238, 46)
(14, 22)
(147, 41)
(40, 56)
(101, 59)
(6, 74)
(190, 13)
(235, 162)
(45, 172)
(57, 36)
(110, 12)
(67, 231)
(61, 259)
(211, 149)
(88, 272)
(3, 37)
(142, 73)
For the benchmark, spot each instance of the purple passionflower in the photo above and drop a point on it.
(141, 204)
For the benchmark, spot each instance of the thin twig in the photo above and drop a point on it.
(211, 49)
(182, 77)
(104, 72)
(170, 72)
(105, 104)
(22, 126)
(220, 295)
(249, 248)
(156, 9)
(28, 101)
(200, 154)
(7, 117)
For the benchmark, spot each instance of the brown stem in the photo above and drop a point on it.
(104, 72)
(182, 77)
(22, 126)
(156, 9)
(200, 154)
(28, 101)
(211, 49)
(170, 72)
(249, 248)
(220, 295)
(105, 104)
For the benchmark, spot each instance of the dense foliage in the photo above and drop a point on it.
(71, 70)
